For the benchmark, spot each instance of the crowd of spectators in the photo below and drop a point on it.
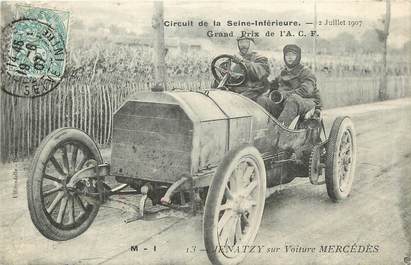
(134, 63)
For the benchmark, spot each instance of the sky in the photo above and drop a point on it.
(136, 16)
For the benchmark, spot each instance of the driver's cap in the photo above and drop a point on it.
(292, 48)
(245, 38)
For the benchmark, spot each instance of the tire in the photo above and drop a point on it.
(51, 205)
(234, 201)
(341, 157)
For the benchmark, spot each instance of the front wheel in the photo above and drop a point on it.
(58, 212)
(234, 205)
(341, 159)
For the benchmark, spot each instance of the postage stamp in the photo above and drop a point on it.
(35, 58)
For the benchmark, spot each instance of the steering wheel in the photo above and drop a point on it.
(225, 75)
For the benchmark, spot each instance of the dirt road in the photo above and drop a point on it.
(300, 224)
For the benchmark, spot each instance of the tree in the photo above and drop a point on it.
(406, 48)
(77, 24)
(114, 29)
(371, 42)
(345, 42)
(382, 93)
(6, 11)
(96, 27)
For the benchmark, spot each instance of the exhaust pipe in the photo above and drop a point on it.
(166, 199)
(276, 96)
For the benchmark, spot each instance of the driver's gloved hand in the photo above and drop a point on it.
(273, 85)
(237, 59)
(286, 94)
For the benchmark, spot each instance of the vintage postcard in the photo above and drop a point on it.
(205, 132)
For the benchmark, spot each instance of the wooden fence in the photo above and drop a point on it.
(338, 92)
(25, 122)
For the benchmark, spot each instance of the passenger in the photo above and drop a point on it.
(297, 86)
(258, 70)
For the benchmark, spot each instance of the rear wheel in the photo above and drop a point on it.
(341, 159)
(234, 205)
(59, 212)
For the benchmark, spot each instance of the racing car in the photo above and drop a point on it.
(213, 152)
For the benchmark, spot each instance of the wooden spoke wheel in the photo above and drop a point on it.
(341, 159)
(58, 211)
(234, 205)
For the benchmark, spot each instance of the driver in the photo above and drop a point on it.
(297, 86)
(257, 69)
